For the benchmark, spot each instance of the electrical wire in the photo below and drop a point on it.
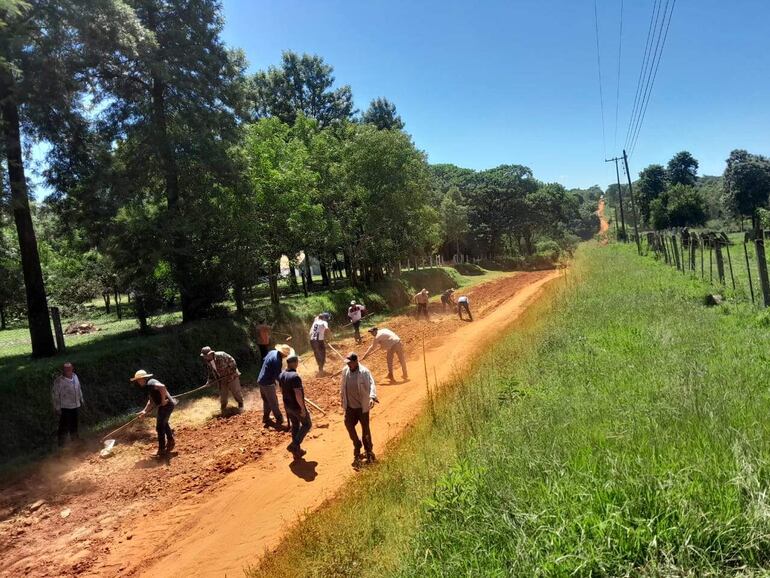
(617, 92)
(643, 70)
(599, 66)
(654, 76)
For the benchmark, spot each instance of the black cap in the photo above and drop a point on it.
(351, 357)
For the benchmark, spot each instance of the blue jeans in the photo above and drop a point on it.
(270, 404)
(299, 426)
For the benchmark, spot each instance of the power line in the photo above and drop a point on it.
(599, 66)
(617, 92)
(654, 76)
(643, 70)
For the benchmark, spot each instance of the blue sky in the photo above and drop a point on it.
(490, 82)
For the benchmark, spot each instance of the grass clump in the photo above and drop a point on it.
(623, 433)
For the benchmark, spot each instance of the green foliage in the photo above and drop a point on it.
(650, 186)
(302, 84)
(746, 182)
(382, 114)
(686, 207)
(682, 169)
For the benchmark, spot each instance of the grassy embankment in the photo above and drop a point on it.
(106, 359)
(620, 430)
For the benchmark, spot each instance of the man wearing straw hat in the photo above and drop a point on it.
(222, 369)
(268, 377)
(158, 396)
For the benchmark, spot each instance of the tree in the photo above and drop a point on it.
(651, 185)
(382, 114)
(686, 207)
(746, 183)
(682, 169)
(302, 84)
(174, 105)
(455, 217)
(48, 49)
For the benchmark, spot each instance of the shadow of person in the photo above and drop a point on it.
(303, 469)
(155, 462)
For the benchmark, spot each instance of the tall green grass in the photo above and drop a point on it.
(623, 433)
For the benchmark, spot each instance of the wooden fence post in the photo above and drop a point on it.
(720, 261)
(764, 282)
(56, 318)
(748, 270)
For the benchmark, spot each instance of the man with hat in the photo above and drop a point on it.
(388, 341)
(355, 313)
(319, 331)
(446, 299)
(158, 396)
(358, 394)
(268, 376)
(222, 369)
(294, 404)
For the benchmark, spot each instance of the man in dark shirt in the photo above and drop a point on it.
(158, 396)
(294, 404)
(268, 375)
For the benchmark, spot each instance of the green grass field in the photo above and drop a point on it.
(620, 430)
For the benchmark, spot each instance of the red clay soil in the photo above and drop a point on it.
(221, 499)
(604, 225)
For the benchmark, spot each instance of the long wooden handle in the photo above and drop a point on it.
(124, 426)
(315, 406)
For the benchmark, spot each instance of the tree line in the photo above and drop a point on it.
(675, 196)
(175, 175)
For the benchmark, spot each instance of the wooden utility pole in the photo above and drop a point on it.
(633, 204)
(620, 198)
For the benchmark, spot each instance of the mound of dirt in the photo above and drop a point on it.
(80, 328)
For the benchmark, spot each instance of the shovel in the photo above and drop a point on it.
(109, 441)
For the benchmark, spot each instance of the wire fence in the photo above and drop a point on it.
(732, 263)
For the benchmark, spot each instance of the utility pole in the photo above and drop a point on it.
(623, 236)
(633, 204)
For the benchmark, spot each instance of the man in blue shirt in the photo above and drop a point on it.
(268, 376)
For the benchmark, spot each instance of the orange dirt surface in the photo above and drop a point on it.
(231, 489)
(604, 226)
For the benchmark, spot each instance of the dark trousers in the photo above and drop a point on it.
(68, 425)
(445, 302)
(354, 416)
(357, 330)
(165, 433)
(270, 404)
(299, 426)
(422, 309)
(460, 307)
(319, 351)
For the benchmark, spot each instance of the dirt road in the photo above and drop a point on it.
(604, 225)
(232, 489)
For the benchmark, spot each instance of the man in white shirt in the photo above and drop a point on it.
(464, 303)
(67, 397)
(388, 341)
(355, 313)
(358, 395)
(318, 333)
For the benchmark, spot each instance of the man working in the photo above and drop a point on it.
(358, 394)
(422, 303)
(268, 376)
(446, 299)
(221, 368)
(318, 334)
(463, 303)
(158, 396)
(67, 398)
(294, 404)
(355, 313)
(388, 341)
(261, 334)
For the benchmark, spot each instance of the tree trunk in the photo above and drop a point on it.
(308, 270)
(304, 285)
(274, 296)
(192, 307)
(117, 304)
(292, 277)
(106, 297)
(37, 303)
(3, 324)
(324, 275)
(141, 313)
(238, 298)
